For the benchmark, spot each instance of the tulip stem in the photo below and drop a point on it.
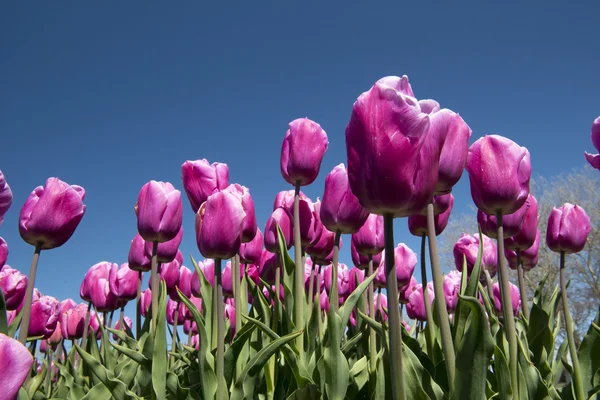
(86, 328)
(523, 293)
(175, 320)
(311, 288)
(430, 333)
(372, 337)
(318, 299)
(155, 283)
(48, 388)
(396, 368)
(489, 284)
(24, 330)
(509, 318)
(220, 366)
(577, 381)
(122, 319)
(440, 303)
(138, 308)
(298, 273)
(110, 318)
(237, 295)
(334, 300)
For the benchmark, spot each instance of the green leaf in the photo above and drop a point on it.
(502, 374)
(134, 355)
(589, 355)
(337, 371)
(360, 373)
(233, 351)
(309, 392)
(98, 392)
(159, 353)
(346, 309)
(34, 384)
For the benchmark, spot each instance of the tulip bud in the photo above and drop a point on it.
(118, 327)
(59, 199)
(515, 298)
(227, 279)
(499, 172)
(369, 238)
(96, 272)
(310, 272)
(529, 257)
(72, 322)
(356, 275)
(123, 283)
(208, 269)
(429, 106)
(452, 289)
(230, 312)
(201, 179)
(417, 224)
(138, 260)
(13, 285)
(267, 266)
(3, 253)
(196, 301)
(169, 273)
(249, 226)
(96, 319)
(250, 252)
(6, 197)
(405, 260)
(361, 261)
(392, 160)
(44, 316)
(568, 229)
(593, 159)
(181, 311)
(219, 226)
(324, 301)
(56, 336)
(415, 308)
(159, 212)
(381, 305)
(468, 247)
(343, 279)
(283, 219)
(184, 283)
(526, 236)
(15, 364)
(190, 327)
(146, 301)
(102, 297)
(511, 223)
(303, 148)
(166, 251)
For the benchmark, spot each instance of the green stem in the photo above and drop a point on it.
(334, 300)
(138, 308)
(175, 320)
(509, 318)
(523, 293)
(49, 373)
(220, 363)
(24, 329)
(298, 273)
(318, 300)
(237, 297)
(440, 303)
(372, 337)
(489, 284)
(577, 381)
(155, 283)
(396, 368)
(311, 289)
(430, 333)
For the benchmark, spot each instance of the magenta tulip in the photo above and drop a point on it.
(184, 283)
(529, 229)
(362, 261)
(429, 106)
(324, 301)
(6, 197)
(169, 273)
(190, 327)
(499, 172)
(56, 336)
(159, 212)
(468, 246)
(249, 226)
(181, 311)
(283, 219)
(227, 279)
(3, 253)
(417, 224)
(166, 251)
(230, 313)
(452, 289)
(66, 305)
(197, 302)
(250, 252)
(146, 301)
(369, 239)
(302, 152)
(13, 285)
(72, 322)
(15, 364)
(308, 226)
(127, 321)
(285, 199)
(515, 298)
(208, 269)
(415, 308)
(123, 283)
(96, 272)
(593, 159)
(102, 298)
(343, 279)
(568, 229)
(219, 226)
(405, 291)
(44, 316)
(392, 160)
(96, 319)
(201, 179)
(137, 259)
(356, 274)
(405, 260)
(512, 224)
(381, 305)
(63, 202)
(310, 271)
(267, 266)
(529, 257)
(321, 248)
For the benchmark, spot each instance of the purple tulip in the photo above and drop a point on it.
(343, 279)
(452, 289)
(282, 218)
(416, 303)
(285, 199)
(66, 305)
(13, 285)
(96, 272)
(529, 257)
(15, 364)
(405, 291)
(303, 148)
(249, 226)
(123, 283)
(169, 273)
(392, 159)
(190, 327)
(381, 305)
(196, 301)
(137, 259)
(324, 301)
(208, 269)
(515, 298)
(417, 224)
(102, 298)
(219, 226)
(230, 312)
(568, 229)
(405, 260)
(429, 106)
(96, 319)
(340, 209)
(499, 172)
(184, 283)
(308, 225)
(72, 322)
(63, 202)
(361, 261)
(468, 246)
(44, 316)
(321, 248)
(181, 311)
(227, 279)
(56, 336)
(146, 301)
(3, 252)
(201, 179)
(267, 266)
(369, 238)
(6, 197)
(355, 274)
(310, 272)
(250, 252)
(593, 159)
(511, 223)
(127, 321)
(159, 212)
(454, 133)
(529, 228)
(166, 251)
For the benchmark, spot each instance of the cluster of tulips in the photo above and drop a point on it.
(267, 326)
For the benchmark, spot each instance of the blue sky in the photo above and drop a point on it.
(110, 95)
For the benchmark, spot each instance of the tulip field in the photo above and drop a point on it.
(274, 314)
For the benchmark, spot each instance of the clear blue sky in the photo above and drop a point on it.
(110, 95)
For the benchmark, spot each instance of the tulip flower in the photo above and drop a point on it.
(310, 272)
(201, 179)
(102, 298)
(369, 238)
(3, 253)
(405, 261)
(175, 307)
(529, 229)
(166, 251)
(593, 159)
(302, 152)
(96, 320)
(250, 252)
(169, 273)
(343, 279)
(285, 199)
(568, 229)
(529, 257)
(15, 364)
(190, 327)
(249, 226)
(184, 283)
(324, 301)
(499, 172)
(198, 303)
(56, 336)
(405, 291)
(230, 313)
(514, 296)
(66, 305)
(511, 223)
(415, 308)
(219, 226)
(72, 322)
(208, 269)
(362, 261)
(96, 272)
(356, 274)
(468, 246)
(13, 285)
(452, 289)
(145, 301)
(381, 306)
(159, 212)
(321, 248)
(127, 321)
(228, 279)
(6, 197)
(417, 224)
(138, 260)
(123, 283)
(283, 219)
(429, 106)
(44, 316)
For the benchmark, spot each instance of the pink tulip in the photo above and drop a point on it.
(250, 252)
(381, 305)
(169, 273)
(284, 220)
(529, 257)
(526, 236)
(227, 279)
(6, 197)
(310, 272)
(166, 251)
(196, 301)
(415, 308)
(96, 319)
(362, 261)
(15, 364)
(369, 239)
(159, 212)
(343, 279)
(417, 224)
(208, 269)
(452, 289)
(13, 285)
(96, 272)
(102, 298)
(405, 291)
(201, 179)
(511, 223)
(138, 260)
(123, 283)
(66, 305)
(190, 327)
(355, 274)
(593, 159)
(267, 266)
(146, 301)
(405, 260)
(249, 226)
(468, 246)
(118, 327)
(302, 152)
(429, 106)
(181, 312)
(59, 199)
(184, 283)
(56, 336)
(44, 317)
(3, 253)
(515, 298)
(285, 199)
(230, 313)
(72, 322)
(324, 301)
(568, 229)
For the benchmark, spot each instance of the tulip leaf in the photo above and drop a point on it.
(309, 392)
(99, 391)
(335, 364)
(233, 351)
(372, 323)
(346, 309)
(351, 343)
(360, 373)
(75, 391)
(589, 355)
(501, 374)
(132, 354)
(123, 337)
(34, 384)
(159, 353)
